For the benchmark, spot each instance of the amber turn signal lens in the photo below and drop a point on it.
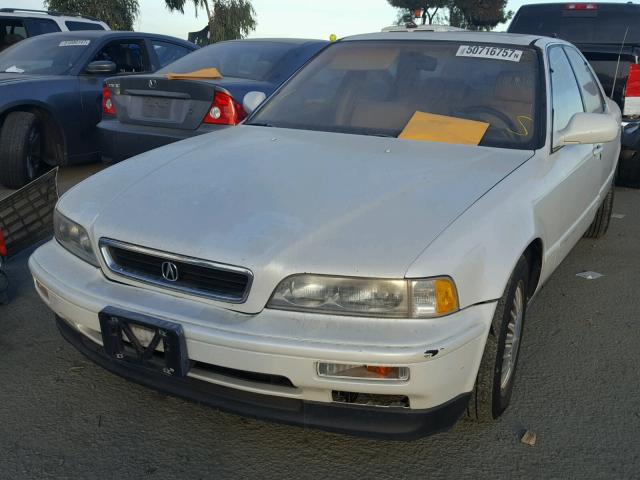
(446, 298)
(363, 372)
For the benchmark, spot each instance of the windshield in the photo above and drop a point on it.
(45, 54)
(377, 87)
(243, 59)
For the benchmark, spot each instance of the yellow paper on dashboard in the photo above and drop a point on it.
(204, 74)
(429, 127)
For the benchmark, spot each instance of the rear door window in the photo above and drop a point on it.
(129, 56)
(11, 32)
(591, 96)
(40, 26)
(79, 26)
(564, 89)
(168, 52)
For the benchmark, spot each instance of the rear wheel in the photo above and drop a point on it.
(20, 149)
(600, 224)
(496, 375)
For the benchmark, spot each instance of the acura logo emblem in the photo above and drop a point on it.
(153, 83)
(170, 271)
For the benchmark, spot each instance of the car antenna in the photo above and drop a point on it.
(615, 77)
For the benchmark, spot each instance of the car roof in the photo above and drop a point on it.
(460, 36)
(16, 12)
(615, 5)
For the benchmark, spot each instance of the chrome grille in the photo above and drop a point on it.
(177, 272)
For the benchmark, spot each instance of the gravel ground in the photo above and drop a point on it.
(578, 388)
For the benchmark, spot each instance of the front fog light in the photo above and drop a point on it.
(363, 372)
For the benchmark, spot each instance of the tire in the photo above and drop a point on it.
(600, 224)
(20, 149)
(628, 174)
(492, 392)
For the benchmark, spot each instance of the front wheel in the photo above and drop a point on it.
(496, 375)
(20, 149)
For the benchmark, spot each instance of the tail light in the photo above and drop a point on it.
(224, 111)
(3, 245)
(108, 108)
(632, 92)
(581, 6)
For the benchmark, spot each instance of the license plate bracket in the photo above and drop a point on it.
(122, 344)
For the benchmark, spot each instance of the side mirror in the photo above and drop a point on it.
(588, 128)
(101, 67)
(252, 100)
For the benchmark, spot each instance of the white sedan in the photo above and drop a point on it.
(360, 254)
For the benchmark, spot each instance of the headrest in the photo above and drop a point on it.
(515, 87)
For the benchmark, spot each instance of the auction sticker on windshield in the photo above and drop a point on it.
(488, 51)
(74, 43)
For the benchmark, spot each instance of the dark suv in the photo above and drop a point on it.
(608, 35)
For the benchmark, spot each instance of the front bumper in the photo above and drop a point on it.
(119, 141)
(369, 421)
(437, 389)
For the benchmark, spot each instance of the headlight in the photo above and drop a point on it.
(74, 238)
(432, 297)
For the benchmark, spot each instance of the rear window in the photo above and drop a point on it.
(376, 88)
(599, 24)
(242, 59)
(78, 26)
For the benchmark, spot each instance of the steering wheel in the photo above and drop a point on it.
(496, 113)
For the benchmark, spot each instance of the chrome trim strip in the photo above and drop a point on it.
(115, 268)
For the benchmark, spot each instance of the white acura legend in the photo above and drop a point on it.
(360, 254)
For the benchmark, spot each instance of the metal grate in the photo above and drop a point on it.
(189, 275)
(26, 216)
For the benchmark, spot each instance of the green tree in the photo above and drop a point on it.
(429, 8)
(469, 14)
(118, 14)
(228, 19)
(479, 14)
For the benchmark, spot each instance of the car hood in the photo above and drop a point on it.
(281, 201)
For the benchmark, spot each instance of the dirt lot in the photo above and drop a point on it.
(578, 388)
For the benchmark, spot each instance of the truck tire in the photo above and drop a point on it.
(600, 224)
(20, 149)
(496, 375)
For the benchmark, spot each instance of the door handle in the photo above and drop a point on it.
(597, 150)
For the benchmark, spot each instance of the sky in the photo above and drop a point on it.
(276, 18)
